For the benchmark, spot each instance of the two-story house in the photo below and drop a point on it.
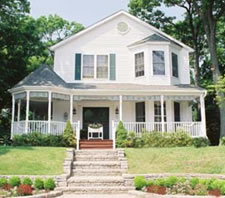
(120, 68)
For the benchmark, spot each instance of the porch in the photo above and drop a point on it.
(164, 113)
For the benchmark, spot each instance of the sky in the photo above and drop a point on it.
(86, 12)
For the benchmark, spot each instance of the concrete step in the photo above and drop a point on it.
(96, 165)
(94, 189)
(98, 157)
(96, 181)
(98, 172)
(96, 152)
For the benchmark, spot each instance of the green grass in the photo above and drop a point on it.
(31, 160)
(210, 160)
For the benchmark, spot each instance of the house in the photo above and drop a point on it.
(120, 68)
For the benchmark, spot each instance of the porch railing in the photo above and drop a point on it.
(194, 129)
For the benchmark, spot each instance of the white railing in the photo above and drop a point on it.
(194, 129)
(56, 127)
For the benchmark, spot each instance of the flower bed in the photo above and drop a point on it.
(14, 186)
(181, 186)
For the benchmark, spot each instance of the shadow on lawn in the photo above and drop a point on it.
(7, 149)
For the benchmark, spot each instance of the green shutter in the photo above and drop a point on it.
(77, 66)
(112, 66)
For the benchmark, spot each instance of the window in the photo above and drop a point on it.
(176, 111)
(140, 112)
(139, 64)
(157, 110)
(175, 64)
(102, 66)
(88, 66)
(158, 63)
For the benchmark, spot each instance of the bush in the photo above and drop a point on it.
(27, 181)
(171, 181)
(131, 139)
(49, 184)
(149, 183)
(3, 181)
(69, 136)
(23, 190)
(139, 182)
(200, 142)
(160, 182)
(39, 183)
(121, 135)
(193, 182)
(14, 181)
(38, 139)
(222, 141)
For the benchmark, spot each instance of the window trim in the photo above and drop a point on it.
(173, 53)
(95, 66)
(161, 50)
(135, 64)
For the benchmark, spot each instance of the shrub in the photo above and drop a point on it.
(121, 135)
(69, 136)
(14, 181)
(149, 183)
(131, 139)
(200, 142)
(49, 184)
(3, 181)
(7, 187)
(222, 141)
(160, 182)
(27, 181)
(24, 190)
(200, 190)
(171, 181)
(194, 181)
(39, 183)
(139, 182)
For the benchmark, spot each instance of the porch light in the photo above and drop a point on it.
(117, 111)
(74, 111)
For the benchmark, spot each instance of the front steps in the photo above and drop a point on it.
(97, 172)
(96, 144)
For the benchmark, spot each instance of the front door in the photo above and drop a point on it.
(97, 115)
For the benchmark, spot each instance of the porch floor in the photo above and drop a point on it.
(96, 144)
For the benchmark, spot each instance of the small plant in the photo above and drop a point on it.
(14, 181)
(149, 183)
(23, 190)
(121, 135)
(200, 142)
(3, 181)
(160, 182)
(139, 182)
(222, 141)
(69, 136)
(171, 181)
(49, 184)
(193, 182)
(27, 181)
(39, 183)
(7, 187)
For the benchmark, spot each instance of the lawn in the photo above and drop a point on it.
(31, 160)
(209, 160)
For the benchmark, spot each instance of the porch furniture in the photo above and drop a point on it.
(97, 131)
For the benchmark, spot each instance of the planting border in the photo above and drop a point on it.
(44, 195)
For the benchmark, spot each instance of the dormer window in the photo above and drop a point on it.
(139, 64)
(158, 58)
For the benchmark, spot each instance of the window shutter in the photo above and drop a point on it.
(112, 66)
(77, 66)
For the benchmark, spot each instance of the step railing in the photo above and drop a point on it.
(194, 129)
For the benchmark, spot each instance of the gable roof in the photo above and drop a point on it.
(42, 76)
(121, 12)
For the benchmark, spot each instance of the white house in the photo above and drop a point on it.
(120, 68)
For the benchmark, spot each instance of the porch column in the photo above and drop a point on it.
(71, 109)
(18, 110)
(162, 113)
(49, 110)
(121, 107)
(203, 118)
(27, 111)
(13, 112)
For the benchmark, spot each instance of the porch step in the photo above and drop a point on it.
(94, 189)
(98, 172)
(96, 165)
(96, 144)
(96, 157)
(96, 181)
(96, 152)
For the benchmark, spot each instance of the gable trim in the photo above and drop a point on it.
(95, 25)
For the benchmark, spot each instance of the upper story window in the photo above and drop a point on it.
(102, 66)
(88, 66)
(139, 64)
(158, 62)
(175, 64)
